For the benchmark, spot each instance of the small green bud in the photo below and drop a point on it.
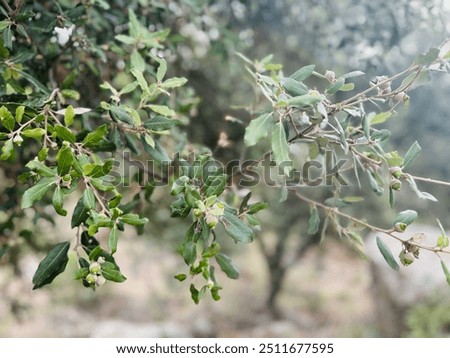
(94, 267)
(67, 178)
(90, 279)
(395, 184)
(401, 97)
(406, 258)
(400, 227)
(197, 213)
(101, 260)
(396, 172)
(211, 220)
(330, 75)
(18, 139)
(210, 284)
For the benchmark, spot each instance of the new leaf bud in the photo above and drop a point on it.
(400, 227)
(396, 172)
(395, 184)
(406, 258)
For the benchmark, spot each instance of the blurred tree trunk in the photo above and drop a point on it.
(283, 257)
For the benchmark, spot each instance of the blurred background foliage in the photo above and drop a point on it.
(375, 36)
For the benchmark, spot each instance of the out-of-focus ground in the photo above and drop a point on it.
(327, 294)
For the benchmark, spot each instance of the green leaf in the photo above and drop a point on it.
(189, 247)
(303, 73)
(160, 109)
(280, 148)
(52, 265)
(306, 100)
(179, 208)
(80, 273)
(365, 126)
(256, 207)
(387, 255)
(314, 221)
(135, 27)
(89, 199)
(352, 74)
(211, 251)
(420, 194)
(442, 241)
(236, 229)
(336, 202)
(376, 183)
(446, 272)
(180, 277)
(162, 69)
(64, 160)
(58, 201)
(336, 86)
(130, 87)
(96, 253)
(258, 128)
(133, 219)
(7, 38)
(41, 169)
(20, 110)
(34, 82)
(412, 153)
(71, 94)
(194, 294)
(112, 240)
(42, 154)
(65, 134)
(407, 217)
(158, 153)
(415, 80)
(380, 118)
(137, 61)
(4, 24)
(36, 192)
(160, 123)
(215, 184)
(7, 118)
(125, 39)
(427, 58)
(391, 198)
(347, 87)
(7, 149)
(141, 80)
(227, 266)
(93, 138)
(174, 82)
(80, 213)
(294, 87)
(380, 135)
(113, 275)
(118, 114)
(69, 116)
(35, 133)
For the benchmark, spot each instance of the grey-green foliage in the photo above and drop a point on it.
(68, 132)
(86, 87)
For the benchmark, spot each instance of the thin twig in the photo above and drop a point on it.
(371, 227)
(430, 180)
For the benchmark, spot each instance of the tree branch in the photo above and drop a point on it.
(373, 228)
